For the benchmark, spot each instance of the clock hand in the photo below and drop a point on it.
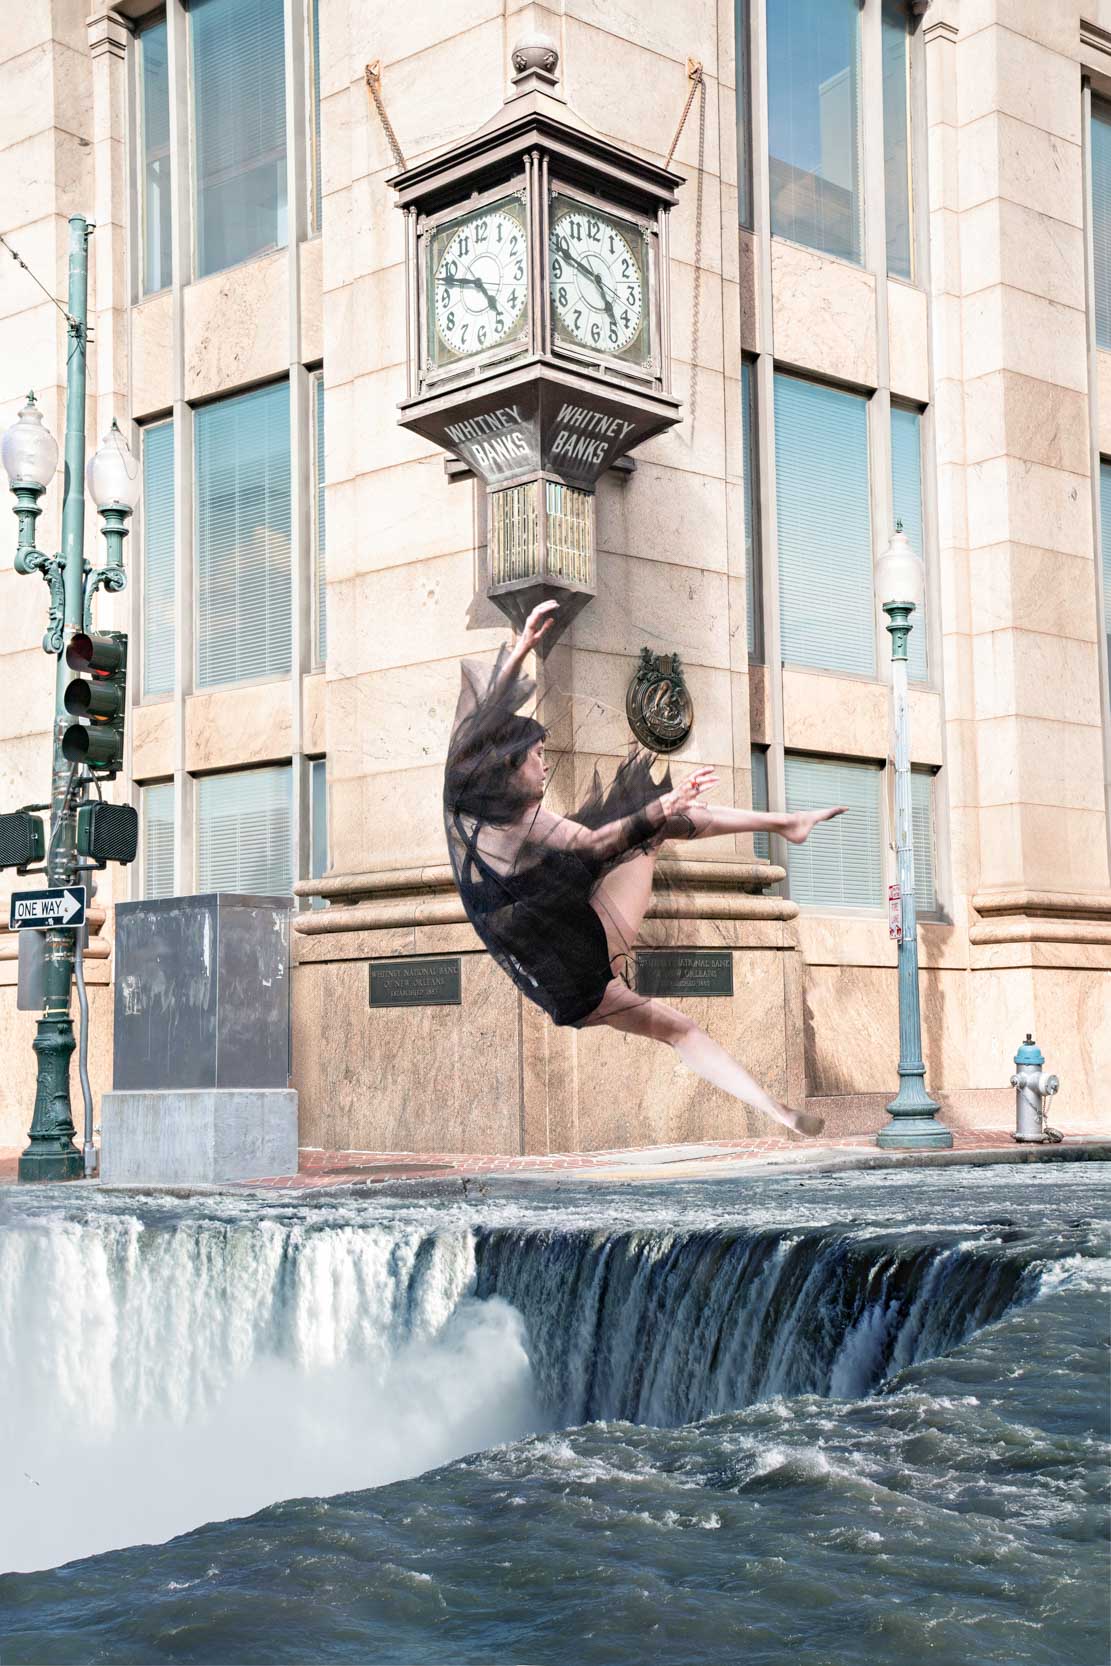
(477, 283)
(603, 289)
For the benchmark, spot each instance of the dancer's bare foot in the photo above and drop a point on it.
(804, 1122)
(800, 826)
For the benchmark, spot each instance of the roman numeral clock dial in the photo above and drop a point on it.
(598, 281)
(479, 282)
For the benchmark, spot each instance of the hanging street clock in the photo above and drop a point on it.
(537, 268)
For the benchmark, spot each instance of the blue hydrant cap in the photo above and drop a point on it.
(1030, 1053)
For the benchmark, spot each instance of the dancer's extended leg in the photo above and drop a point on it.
(620, 900)
(620, 1009)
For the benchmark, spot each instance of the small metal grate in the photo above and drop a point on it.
(570, 534)
(514, 534)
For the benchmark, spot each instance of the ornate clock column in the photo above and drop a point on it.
(538, 343)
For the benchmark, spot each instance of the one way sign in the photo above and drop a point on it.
(64, 905)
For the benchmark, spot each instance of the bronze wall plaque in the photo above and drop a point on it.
(658, 704)
(685, 972)
(433, 982)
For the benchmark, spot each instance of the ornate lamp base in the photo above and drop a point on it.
(914, 1124)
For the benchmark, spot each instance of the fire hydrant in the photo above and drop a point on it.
(1033, 1087)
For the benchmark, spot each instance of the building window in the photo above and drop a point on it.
(318, 822)
(154, 140)
(823, 516)
(923, 840)
(814, 124)
(841, 864)
(761, 842)
(244, 840)
(158, 559)
(239, 129)
(1105, 547)
(320, 586)
(896, 138)
(741, 27)
(752, 530)
(1101, 218)
(242, 537)
(156, 815)
(314, 124)
(906, 500)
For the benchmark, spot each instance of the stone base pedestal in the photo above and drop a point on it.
(491, 1074)
(197, 1136)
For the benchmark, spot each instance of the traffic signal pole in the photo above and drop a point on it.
(51, 1153)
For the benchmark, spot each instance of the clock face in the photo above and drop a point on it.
(597, 279)
(479, 280)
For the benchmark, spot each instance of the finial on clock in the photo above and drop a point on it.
(535, 65)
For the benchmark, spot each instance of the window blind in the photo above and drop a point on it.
(1101, 218)
(154, 124)
(823, 515)
(238, 129)
(761, 842)
(752, 545)
(244, 834)
(906, 499)
(242, 537)
(841, 864)
(158, 559)
(896, 137)
(814, 135)
(922, 838)
(319, 540)
(1105, 544)
(156, 805)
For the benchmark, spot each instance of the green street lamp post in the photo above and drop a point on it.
(899, 586)
(30, 456)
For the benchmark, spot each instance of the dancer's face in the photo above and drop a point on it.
(533, 773)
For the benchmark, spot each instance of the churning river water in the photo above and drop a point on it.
(785, 1422)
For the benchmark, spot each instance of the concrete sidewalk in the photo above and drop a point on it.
(718, 1160)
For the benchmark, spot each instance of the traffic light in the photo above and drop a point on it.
(99, 694)
(107, 832)
(22, 839)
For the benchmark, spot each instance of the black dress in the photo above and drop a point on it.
(534, 913)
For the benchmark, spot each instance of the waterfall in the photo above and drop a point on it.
(163, 1372)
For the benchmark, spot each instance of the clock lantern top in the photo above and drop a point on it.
(537, 272)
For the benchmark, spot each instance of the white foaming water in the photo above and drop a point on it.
(155, 1380)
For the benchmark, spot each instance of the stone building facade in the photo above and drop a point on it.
(890, 298)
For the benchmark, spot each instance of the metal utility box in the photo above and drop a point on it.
(202, 993)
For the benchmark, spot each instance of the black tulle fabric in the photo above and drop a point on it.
(533, 913)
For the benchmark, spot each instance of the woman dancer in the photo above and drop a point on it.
(559, 900)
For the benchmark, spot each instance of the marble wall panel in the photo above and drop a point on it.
(401, 31)
(660, 606)
(25, 766)
(826, 713)
(1002, 156)
(236, 326)
(30, 340)
(1004, 242)
(17, 1033)
(1029, 760)
(908, 346)
(662, 514)
(702, 451)
(435, 97)
(445, 1078)
(999, 69)
(852, 1030)
(314, 714)
(394, 719)
(397, 516)
(152, 741)
(1007, 329)
(824, 314)
(611, 81)
(365, 323)
(1009, 496)
(1042, 848)
(1067, 1011)
(1050, 26)
(233, 727)
(636, 1092)
(31, 672)
(1018, 416)
(1033, 675)
(709, 346)
(376, 618)
(152, 360)
(392, 818)
(1102, 396)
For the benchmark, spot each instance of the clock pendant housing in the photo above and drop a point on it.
(538, 325)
